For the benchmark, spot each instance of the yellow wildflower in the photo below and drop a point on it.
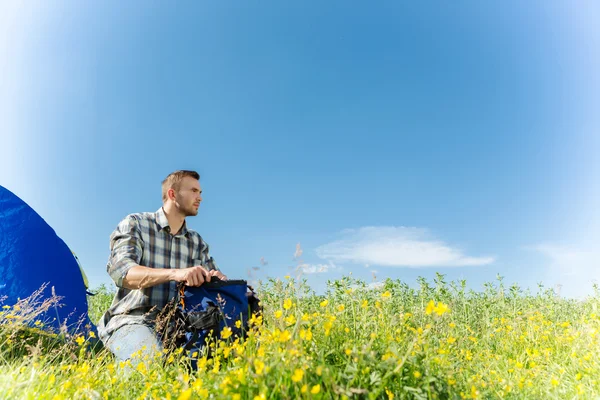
(226, 332)
(285, 336)
(315, 389)
(430, 307)
(290, 320)
(185, 395)
(259, 366)
(298, 374)
(441, 308)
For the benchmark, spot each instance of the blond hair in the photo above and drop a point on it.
(173, 181)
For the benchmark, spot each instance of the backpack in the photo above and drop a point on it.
(199, 314)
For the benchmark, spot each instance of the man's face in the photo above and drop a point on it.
(189, 196)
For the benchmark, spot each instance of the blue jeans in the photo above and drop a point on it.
(133, 339)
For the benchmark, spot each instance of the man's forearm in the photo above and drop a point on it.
(140, 277)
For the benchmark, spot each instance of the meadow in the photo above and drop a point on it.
(436, 340)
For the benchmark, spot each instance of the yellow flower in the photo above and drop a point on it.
(451, 340)
(386, 294)
(341, 307)
(80, 340)
(298, 374)
(305, 334)
(327, 326)
(348, 352)
(389, 394)
(285, 336)
(324, 303)
(287, 304)
(260, 397)
(441, 308)
(364, 304)
(236, 396)
(278, 314)
(259, 366)
(315, 389)
(578, 376)
(226, 332)
(319, 370)
(304, 389)
(290, 320)
(417, 374)
(554, 382)
(238, 324)
(185, 395)
(430, 307)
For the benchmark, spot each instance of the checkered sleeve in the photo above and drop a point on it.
(209, 262)
(125, 249)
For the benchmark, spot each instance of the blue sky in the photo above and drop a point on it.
(388, 139)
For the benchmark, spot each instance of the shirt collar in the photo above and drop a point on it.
(163, 222)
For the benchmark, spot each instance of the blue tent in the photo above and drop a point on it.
(31, 255)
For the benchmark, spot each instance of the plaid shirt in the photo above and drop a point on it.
(145, 239)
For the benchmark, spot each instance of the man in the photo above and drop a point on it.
(150, 254)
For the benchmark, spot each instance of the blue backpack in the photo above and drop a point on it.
(200, 314)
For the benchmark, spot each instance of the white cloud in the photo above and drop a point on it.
(317, 268)
(396, 247)
(569, 259)
(375, 285)
(574, 267)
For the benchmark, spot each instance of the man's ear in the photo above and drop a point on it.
(171, 194)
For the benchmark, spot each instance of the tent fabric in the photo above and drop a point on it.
(31, 254)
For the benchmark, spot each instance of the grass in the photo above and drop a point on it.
(439, 340)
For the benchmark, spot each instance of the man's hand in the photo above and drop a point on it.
(218, 274)
(194, 276)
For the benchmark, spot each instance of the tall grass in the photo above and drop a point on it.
(439, 340)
